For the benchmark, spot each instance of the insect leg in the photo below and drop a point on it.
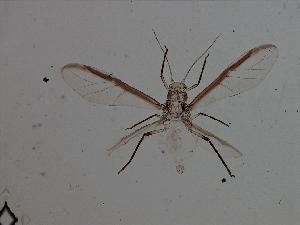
(219, 155)
(163, 52)
(162, 69)
(199, 80)
(136, 124)
(147, 134)
(211, 117)
(225, 147)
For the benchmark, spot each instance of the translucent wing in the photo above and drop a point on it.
(225, 149)
(245, 73)
(159, 124)
(98, 87)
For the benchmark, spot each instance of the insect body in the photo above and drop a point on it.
(245, 73)
(176, 105)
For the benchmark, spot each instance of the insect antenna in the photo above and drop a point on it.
(187, 73)
(171, 73)
(162, 69)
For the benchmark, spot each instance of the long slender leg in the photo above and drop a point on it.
(162, 69)
(199, 80)
(219, 155)
(138, 145)
(136, 124)
(207, 136)
(211, 117)
(163, 52)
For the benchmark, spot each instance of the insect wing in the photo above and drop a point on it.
(98, 87)
(225, 149)
(157, 125)
(245, 73)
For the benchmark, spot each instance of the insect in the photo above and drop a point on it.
(245, 73)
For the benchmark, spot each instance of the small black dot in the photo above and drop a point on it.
(223, 180)
(43, 174)
(45, 79)
(233, 31)
(275, 89)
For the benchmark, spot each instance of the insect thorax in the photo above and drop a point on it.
(176, 106)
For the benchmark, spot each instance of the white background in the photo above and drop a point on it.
(53, 165)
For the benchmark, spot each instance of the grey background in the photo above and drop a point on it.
(53, 164)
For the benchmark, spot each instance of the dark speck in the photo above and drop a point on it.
(275, 89)
(45, 79)
(62, 97)
(163, 151)
(38, 125)
(285, 110)
(233, 31)
(279, 202)
(43, 174)
(33, 148)
(223, 180)
(51, 66)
